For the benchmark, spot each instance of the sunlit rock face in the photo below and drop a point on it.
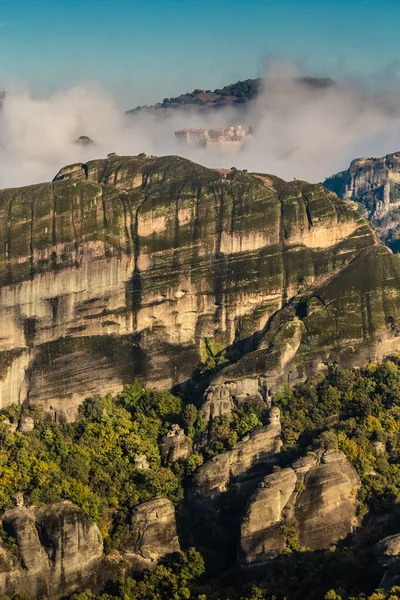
(234, 472)
(124, 267)
(315, 497)
(350, 319)
(374, 184)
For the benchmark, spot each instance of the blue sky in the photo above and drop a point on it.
(144, 51)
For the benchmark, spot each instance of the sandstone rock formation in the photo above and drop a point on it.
(250, 457)
(350, 319)
(374, 183)
(57, 550)
(124, 267)
(153, 534)
(316, 497)
(175, 445)
(387, 552)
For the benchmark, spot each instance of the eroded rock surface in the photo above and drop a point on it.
(374, 183)
(351, 319)
(262, 537)
(175, 445)
(387, 552)
(315, 497)
(252, 455)
(153, 534)
(126, 267)
(57, 551)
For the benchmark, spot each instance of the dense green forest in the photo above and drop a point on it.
(93, 463)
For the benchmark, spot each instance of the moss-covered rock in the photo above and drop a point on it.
(122, 267)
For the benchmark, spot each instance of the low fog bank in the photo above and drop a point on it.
(300, 131)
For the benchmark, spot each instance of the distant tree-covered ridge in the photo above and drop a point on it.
(232, 94)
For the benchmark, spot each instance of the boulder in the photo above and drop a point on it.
(11, 426)
(262, 538)
(26, 424)
(326, 509)
(141, 462)
(219, 400)
(387, 550)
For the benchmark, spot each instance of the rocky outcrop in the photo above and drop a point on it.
(388, 549)
(136, 266)
(253, 455)
(351, 319)
(175, 445)
(314, 498)
(219, 400)
(262, 536)
(387, 552)
(374, 183)
(153, 534)
(56, 551)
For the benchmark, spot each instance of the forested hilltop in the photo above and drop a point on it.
(234, 94)
(116, 457)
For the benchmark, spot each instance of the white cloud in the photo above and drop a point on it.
(301, 132)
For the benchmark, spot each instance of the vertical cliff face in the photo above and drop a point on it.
(374, 183)
(153, 538)
(123, 267)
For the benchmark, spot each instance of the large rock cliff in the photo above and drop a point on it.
(240, 467)
(124, 267)
(374, 184)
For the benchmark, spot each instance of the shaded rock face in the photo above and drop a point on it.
(153, 534)
(121, 268)
(238, 467)
(374, 183)
(175, 445)
(57, 551)
(316, 496)
(387, 552)
(262, 537)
